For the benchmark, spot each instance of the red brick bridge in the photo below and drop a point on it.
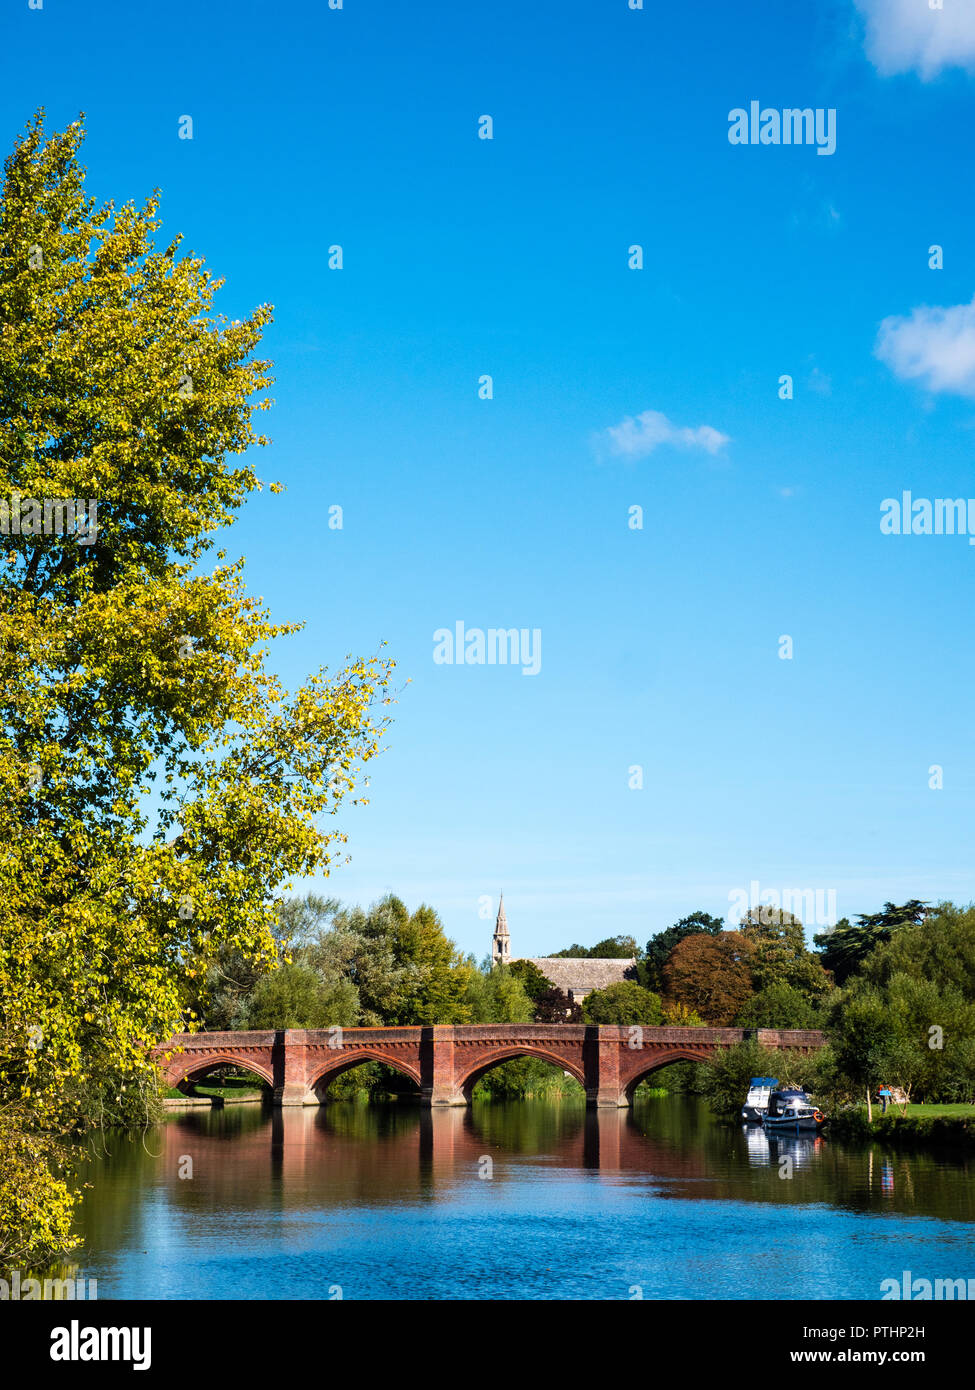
(446, 1062)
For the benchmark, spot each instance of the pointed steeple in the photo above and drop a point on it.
(501, 944)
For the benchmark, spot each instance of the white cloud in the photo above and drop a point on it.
(906, 34)
(934, 346)
(637, 437)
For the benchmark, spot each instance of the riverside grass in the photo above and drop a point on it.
(923, 1126)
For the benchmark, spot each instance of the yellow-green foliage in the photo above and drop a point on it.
(158, 787)
(35, 1201)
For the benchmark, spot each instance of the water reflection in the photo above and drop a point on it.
(348, 1153)
(395, 1201)
(765, 1150)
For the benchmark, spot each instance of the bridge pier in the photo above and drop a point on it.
(291, 1071)
(602, 1062)
(295, 1094)
(437, 1068)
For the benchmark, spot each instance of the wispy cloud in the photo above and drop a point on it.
(637, 436)
(934, 346)
(907, 34)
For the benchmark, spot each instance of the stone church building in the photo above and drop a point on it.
(574, 977)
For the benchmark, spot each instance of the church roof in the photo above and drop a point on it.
(584, 973)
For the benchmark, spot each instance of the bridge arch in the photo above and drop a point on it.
(466, 1081)
(678, 1054)
(320, 1079)
(194, 1069)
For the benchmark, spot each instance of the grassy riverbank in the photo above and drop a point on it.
(923, 1125)
(246, 1086)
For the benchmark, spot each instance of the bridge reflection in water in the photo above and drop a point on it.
(347, 1153)
(399, 1200)
(393, 1152)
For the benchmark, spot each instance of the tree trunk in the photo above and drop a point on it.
(869, 1108)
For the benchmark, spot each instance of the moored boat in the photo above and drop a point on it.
(756, 1102)
(793, 1112)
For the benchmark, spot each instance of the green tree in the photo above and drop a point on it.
(496, 994)
(781, 957)
(779, 1005)
(844, 947)
(625, 1003)
(534, 981)
(303, 922)
(220, 997)
(870, 1046)
(676, 1015)
(404, 967)
(908, 1016)
(157, 783)
(939, 948)
(611, 948)
(294, 996)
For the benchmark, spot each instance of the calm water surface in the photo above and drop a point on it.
(390, 1202)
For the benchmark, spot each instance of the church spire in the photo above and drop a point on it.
(501, 944)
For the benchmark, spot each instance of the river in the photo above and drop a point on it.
(517, 1200)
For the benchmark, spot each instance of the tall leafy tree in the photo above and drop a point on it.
(781, 957)
(845, 946)
(622, 1003)
(534, 982)
(296, 996)
(938, 947)
(405, 968)
(221, 999)
(497, 994)
(158, 784)
(779, 1005)
(711, 974)
(908, 1015)
(870, 1044)
(660, 946)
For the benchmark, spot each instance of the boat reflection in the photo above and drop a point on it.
(766, 1148)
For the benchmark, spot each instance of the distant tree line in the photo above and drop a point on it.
(894, 991)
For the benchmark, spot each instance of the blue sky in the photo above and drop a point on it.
(508, 257)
